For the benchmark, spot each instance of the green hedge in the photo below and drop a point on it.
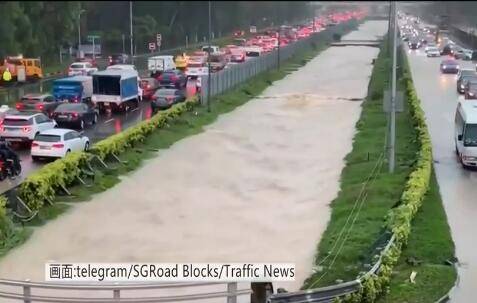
(42, 185)
(6, 225)
(399, 219)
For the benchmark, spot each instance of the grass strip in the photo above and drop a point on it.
(336, 260)
(428, 253)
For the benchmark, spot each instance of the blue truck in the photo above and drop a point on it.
(116, 90)
(73, 89)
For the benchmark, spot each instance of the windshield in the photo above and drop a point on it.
(17, 122)
(70, 107)
(76, 65)
(48, 138)
(470, 135)
(165, 92)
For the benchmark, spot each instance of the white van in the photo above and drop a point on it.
(157, 64)
(466, 132)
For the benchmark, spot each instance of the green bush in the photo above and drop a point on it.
(6, 225)
(399, 219)
(42, 185)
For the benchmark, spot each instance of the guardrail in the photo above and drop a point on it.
(329, 293)
(26, 290)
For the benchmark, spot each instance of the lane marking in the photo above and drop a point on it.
(110, 120)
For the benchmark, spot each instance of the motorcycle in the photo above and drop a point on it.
(8, 169)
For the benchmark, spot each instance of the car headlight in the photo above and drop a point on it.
(462, 86)
(471, 94)
(457, 67)
(444, 66)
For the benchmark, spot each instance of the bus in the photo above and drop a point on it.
(465, 133)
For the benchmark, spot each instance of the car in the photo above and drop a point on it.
(75, 115)
(429, 45)
(218, 62)
(433, 52)
(464, 54)
(470, 90)
(149, 87)
(87, 59)
(81, 68)
(172, 78)
(448, 50)
(23, 126)
(462, 82)
(238, 56)
(414, 44)
(118, 59)
(43, 103)
(165, 98)
(57, 143)
(449, 66)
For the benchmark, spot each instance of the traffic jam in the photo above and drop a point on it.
(51, 124)
(435, 42)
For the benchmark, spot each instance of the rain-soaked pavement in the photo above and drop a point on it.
(253, 187)
(457, 186)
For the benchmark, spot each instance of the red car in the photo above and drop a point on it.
(149, 87)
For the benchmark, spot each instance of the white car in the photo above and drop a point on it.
(22, 127)
(433, 52)
(57, 143)
(429, 45)
(81, 68)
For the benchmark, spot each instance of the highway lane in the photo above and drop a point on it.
(108, 124)
(458, 186)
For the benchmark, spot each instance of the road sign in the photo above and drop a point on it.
(90, 38)
(152, 46)
(158, 37)
(253, 29)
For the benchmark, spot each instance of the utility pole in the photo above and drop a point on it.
(392, 135)
(390, 27)
(79, 32)
(131, 30)
(208, 63)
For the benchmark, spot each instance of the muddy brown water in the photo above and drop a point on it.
(255, 186)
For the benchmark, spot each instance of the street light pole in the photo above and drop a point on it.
(79, 31)
(131, 30)
(393, 96)
(208, 63)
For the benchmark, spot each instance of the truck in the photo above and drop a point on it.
(158, 64)
(73, 89)
(116, 90)
(213, 49)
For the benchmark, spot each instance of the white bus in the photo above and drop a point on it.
(466, 132)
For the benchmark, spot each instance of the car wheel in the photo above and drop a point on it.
(86, 146)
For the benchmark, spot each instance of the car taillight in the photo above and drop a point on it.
(174, 78)
(26, 129)
(75, 115)
(58, 145)
(40, 106)
(33, 144)
(19, 106)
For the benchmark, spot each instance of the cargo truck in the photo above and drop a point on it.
(73, 89)
(116, 90)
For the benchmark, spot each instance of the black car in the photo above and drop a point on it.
(414, 44)
(447, 50)
(463, 76)
(470, 90)
(75, 115)
(118, 59)
(165, 98)
(172, 78)
(43, 103)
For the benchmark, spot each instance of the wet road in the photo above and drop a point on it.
(458, 186)
(108, 124)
